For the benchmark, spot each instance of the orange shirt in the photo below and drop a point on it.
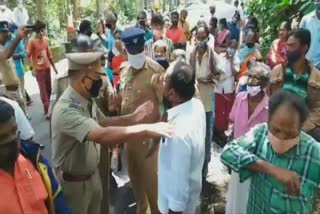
(176, 35)
(39, 52)
(25, 192)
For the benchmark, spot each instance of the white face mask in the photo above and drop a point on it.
(137, 61)
(115, 51)
(253, 90)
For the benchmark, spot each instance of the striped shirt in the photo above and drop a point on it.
(312, 23)
(267, 195)
(150, 51)
(296, 84)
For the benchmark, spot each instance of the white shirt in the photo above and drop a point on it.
(23, 125)
(312, 23)
(226, 84)
(21, 15)
(181, 159)
(7, 15)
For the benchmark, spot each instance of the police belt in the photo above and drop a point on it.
(76, 178)
(12, 87)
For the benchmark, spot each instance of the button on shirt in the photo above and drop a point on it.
(240, 114)
(181, 159)
(267, 195)
(312, 23)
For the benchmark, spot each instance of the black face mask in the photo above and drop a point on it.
(9, 154)
(142, 24)
(95, 88)
(250, 45)
(166, 103)
(162, 61)
(109, 26)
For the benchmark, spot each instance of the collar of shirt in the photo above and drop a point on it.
(262, 105)
(83, 102)
(175, 111)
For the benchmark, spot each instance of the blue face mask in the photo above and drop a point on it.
(293, 56)
(231, 52)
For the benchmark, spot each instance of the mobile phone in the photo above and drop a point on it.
(31, 27)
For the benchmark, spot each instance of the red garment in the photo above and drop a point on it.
(23, 193)
(115, 65)
(176, 35)
(44, 83)
(223, 108)
(277, 53)
(39, 52)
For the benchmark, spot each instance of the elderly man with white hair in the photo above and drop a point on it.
(249, 109)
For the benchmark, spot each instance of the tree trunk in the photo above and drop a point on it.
(100, 7)
(40, 14)
(76, 9)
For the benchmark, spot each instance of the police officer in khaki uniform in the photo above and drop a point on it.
(83, 43)
(8, 74)
(79, 127)
(137, 87)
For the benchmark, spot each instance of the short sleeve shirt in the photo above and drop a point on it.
(73, 118)
(296, 84)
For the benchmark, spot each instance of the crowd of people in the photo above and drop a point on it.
(137, 111)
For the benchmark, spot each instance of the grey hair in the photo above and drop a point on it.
(160, 43)
(260, 67)
(178, 54)
(110, 16)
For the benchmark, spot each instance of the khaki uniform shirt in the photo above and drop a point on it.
(137, 88)
(8, 73)
(73, 118)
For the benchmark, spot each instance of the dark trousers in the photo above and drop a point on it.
(207, 158)
(44, 83)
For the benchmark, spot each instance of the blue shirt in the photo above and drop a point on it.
(234, 31)
(312, 23)
(21, 50)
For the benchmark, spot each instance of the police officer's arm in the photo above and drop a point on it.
(140, 115)
(7, 52)
(122, 134)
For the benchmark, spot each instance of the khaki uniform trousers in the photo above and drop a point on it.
(84, 197)
(18, 97)
(144, 176)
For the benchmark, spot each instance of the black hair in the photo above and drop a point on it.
(236, 2)
(6, 111)
(291, 100)
(223, 21)
(157, 19)
(84, 26)
(182, 80)
(303, 35)
(214, 21)
(175, 13)
(39, 25)
(184, 11)
(142, 14)
(286, 24)
(205, 26)
(254, 21)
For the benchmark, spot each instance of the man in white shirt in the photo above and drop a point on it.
(311, 22)
(26, 132)
(5, 13)
(181, 158)
(203, 61)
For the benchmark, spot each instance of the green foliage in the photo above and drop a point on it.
(271, 13)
